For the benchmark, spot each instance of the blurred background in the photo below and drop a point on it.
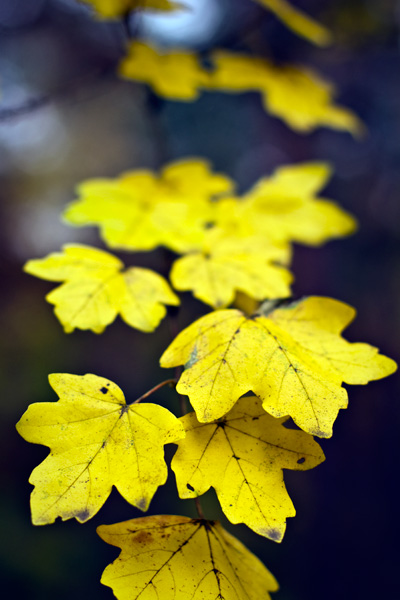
(65, 117)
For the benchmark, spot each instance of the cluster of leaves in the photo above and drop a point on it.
(290, 354)
(228, 243)
(179, 75)
(246, 372)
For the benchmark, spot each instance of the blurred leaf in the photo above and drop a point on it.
(314, 104)
(173, 74)
(226, 264)
(110, 9)
(141, 210)
(178, 75)
(298, 21)
(283, 208)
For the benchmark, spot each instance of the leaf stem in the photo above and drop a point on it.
(170, 382)
(199, 508)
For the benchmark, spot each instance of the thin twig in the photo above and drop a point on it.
(199, 508)
(170, 382)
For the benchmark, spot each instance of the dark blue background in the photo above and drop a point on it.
(344, 541)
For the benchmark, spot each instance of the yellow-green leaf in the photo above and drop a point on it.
(298, 21)
(293, 358)
(172, 558)
(173, 74)
(140, 210)
(242, 457)
(96, 290)
(111, 9)
(97, 441)
(226, 264)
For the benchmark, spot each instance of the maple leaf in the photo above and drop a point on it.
(298, 21)
(314, 106)
(173, 74)
(294, 359)
(111, 9)
(283, 208)
(96, 441)
(96, 290)
(140, 211)
(172, 557)
(226, 264)
(242, 457)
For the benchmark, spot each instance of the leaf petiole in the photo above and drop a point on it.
(171, 382)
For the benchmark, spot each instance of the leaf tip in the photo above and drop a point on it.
(82, 516)
(142, 504)
(274, 534)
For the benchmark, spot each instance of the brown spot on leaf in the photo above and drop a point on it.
(144, 537)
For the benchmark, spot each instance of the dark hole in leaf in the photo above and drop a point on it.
(103, 390)
(301, 461)
(189, 487)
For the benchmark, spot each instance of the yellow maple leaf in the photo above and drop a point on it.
(171, 557)
(294, 359)
(242, 456)
(96, 441)
(173, 74)
(297, 95)
(314, 101)
(226, 264)
(140, 210)
(111, 9)
(283, 208)
(298, 21)
(96, 290)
